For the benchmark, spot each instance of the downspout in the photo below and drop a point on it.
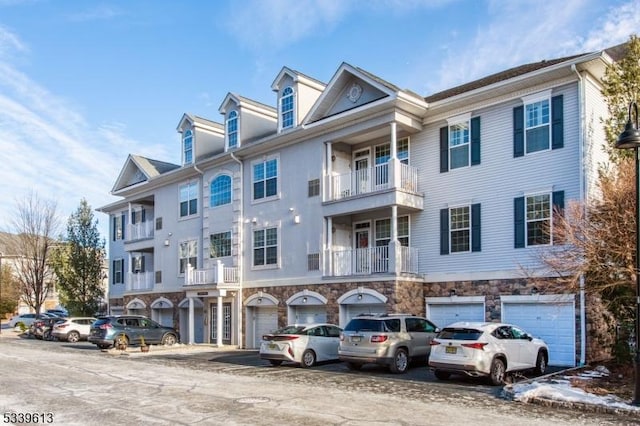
(192, 320)
(240, 254)
(583, 196)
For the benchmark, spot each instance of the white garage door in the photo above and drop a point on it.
(552, 322)
(309, 314)
(265, 321)
(448, 313)
(374, 308)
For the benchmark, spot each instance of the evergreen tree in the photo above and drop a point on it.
(78, 264)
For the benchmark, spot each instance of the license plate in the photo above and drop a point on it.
(451, 350)
(273, 346)
(356, 338)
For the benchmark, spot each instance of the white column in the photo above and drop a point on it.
(191, 322)
(394, 163)
(394, 141)
(394, 245)
(219, 278)
(219, 322)
(328, 253)
(329, 169)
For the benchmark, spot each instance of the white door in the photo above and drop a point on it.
(552, 322)
(362, 179)
(448, 313)
(309, 314)
(265, 320)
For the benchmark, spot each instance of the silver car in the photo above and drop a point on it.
(387, 339)
(73, 329)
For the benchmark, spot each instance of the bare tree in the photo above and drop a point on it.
(35, 228)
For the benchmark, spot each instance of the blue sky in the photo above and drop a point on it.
(85, 83)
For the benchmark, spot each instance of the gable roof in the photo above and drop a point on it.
(243, 102)
(296, 76)
(138, 169)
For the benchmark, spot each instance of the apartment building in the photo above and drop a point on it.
(357, 196)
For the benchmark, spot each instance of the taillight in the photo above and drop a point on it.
(476, 345)
(434, 343)
(61, 325)
(105, 326)
(378, 339)
(280, 338)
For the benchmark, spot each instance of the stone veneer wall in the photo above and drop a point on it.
(402, 296)
(148, 299)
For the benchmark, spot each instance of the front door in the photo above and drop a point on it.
(226, 323)
(362, 181)
(362, 259)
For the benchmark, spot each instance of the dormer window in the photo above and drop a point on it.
(232, 130)
(286, 108)
(187, 147)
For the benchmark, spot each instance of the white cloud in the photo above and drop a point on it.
(10, 43)
(96, 14)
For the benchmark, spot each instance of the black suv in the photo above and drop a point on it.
(388, 339)
(130, 330)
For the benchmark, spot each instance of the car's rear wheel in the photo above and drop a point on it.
(354, 366)
(73, 337)
(442, 375)
(275, 362)
(541, 364)
(400, 362)
(498, 372)
(308, 358)
(169, 339)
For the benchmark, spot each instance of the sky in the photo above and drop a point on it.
(83, 84)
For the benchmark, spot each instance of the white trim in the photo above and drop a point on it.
(451, 300)
(136, 304)
(343, 300)
(296, 299)
(462, 118)
(539, 298)
(261, 299)
(537, 97)
(162, 300)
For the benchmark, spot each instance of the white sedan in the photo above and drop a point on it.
(484, 349)
(304, 344)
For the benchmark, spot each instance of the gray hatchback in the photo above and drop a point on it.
(130, 330)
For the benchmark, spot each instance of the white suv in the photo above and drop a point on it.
(388, 339)
(486, 349)
(73, 329)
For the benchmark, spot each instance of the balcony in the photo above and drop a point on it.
(221, 276)
(140, 281)
(373, 260)
(392, 183)
(139, 231)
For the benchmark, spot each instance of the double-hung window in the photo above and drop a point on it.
(460, 142)
(533, 215)
(383, 231)
(538, 124)
(220, 191)
(383, 154)
(118, 226)
(459, 145)
(232, 130)
(265, 179)
(220, 244)
(287, 108)
(188, 255)
(265, 247)
(187, 147)
(189, 199)
(460, 229)
(118, 271)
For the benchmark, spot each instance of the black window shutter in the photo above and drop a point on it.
(123, 218)
(475, 141)
(122, 271)
(113, 271)
(558, 210)
(518, 213)
(133, 217)
(142, 269)
(113, 236)
(142, 215)
(475, 227)
(518, 131)
(444, 149)
(557, 127)
(444, 231)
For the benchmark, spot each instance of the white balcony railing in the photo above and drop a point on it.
(140, 281)
(218, 275)
(377, 178)
(372, 260)
(140, 230)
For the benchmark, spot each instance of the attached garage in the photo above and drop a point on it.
(548, 317)
(361, 301)
(261, 318)
(447, 310)
(306, 307)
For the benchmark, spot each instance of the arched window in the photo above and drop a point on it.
(232, 130)
(220, 191)
(187, 147)
(286, 108)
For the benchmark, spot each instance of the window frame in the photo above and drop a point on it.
(191, 186)
(287, 116)
(226, 193)
(118, 270)
(232, 130)
(462, 121)
(191, 252)
(265, 248)
(540, 113)
(460, 229)
(263, 179)
(548, 219)
(403, 238)
(226, 240)
(187, 153)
